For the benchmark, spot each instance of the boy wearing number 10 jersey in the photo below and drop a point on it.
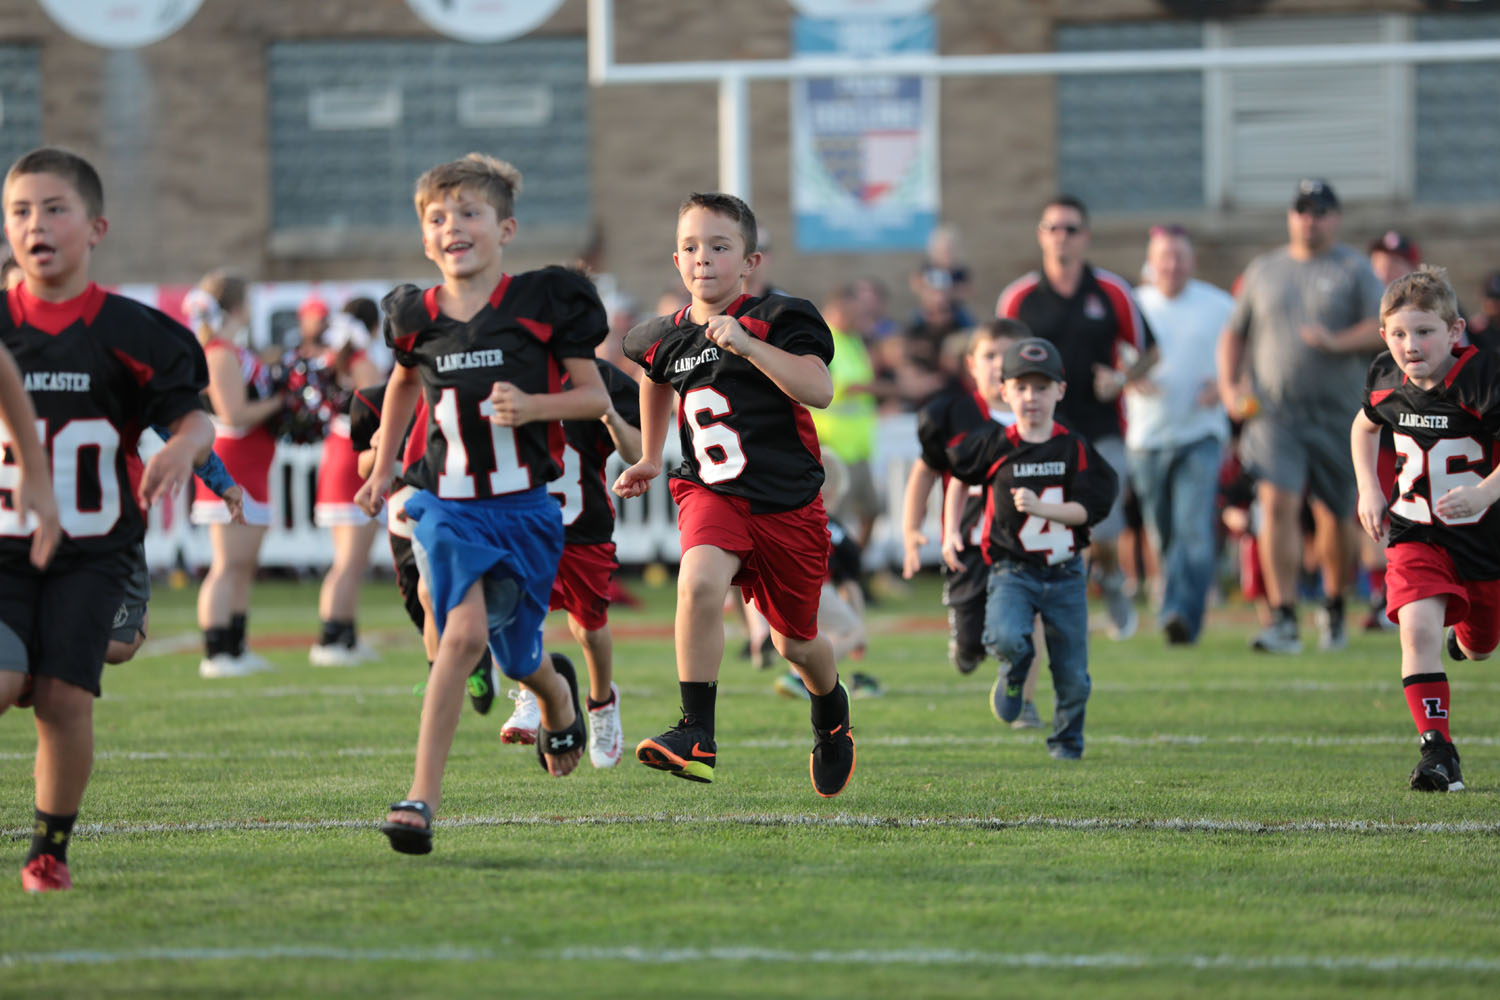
(1442, 405)
(1047, 486)
(488, 351)
(749, 508)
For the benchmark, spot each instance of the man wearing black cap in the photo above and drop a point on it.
(1292, 364)
(1393, 255)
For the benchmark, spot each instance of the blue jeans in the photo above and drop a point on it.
(1017, 593)
(1176, 488)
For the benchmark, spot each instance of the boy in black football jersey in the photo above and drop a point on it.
(99, 368)
(1442, 404)
(1046, 487)
(747, 492)
(488, 352)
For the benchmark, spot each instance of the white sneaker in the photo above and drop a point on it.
(606, 740)
(523, 722)
(225, 665)
(253, 662)
(1123, 619)
(334, 655)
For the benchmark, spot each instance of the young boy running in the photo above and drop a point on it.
(588, 563)
(747, 492)
(99, 368)
(1046, 487)
(488, 351)
(1442, 405)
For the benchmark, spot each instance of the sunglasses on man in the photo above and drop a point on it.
(1314, 209)
(1066, 228)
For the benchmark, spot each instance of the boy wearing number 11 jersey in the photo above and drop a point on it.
(749, 508)
(1047, 486)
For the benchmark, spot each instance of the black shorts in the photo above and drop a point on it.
(407, 577)
(130, 619)
(62, 616)
(965, 595)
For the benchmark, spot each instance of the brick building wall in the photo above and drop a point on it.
(180, 132)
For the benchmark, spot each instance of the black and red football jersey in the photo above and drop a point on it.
(942, 421)
(1096, 325)
(741, 435)
(1444, 437)
(99, 368)
(532, 323)
(1064, 468)
(365, 406)
(588, 513)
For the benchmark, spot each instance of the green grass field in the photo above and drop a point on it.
(1240, 827)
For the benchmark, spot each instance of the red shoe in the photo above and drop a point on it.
(44, 873)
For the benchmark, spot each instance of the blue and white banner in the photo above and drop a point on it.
(864, 148)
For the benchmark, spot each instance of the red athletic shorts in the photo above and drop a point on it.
(783, 557)
(582, 584)
(1415, 570)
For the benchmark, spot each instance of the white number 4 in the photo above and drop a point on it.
(1038, 534)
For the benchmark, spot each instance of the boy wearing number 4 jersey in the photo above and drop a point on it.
(1442, 404)
(1047, 486)
(747, 492)
(488, 351)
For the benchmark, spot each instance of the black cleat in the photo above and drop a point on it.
(685, 750)
(1438, 770)
(832, 761)
(1455, 653)
(482, 684)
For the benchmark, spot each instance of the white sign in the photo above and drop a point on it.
(121, 24)
(860, 8)
(483, 20)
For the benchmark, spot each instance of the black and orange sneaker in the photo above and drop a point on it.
(685, 750)
(44, 873)
(832, 761)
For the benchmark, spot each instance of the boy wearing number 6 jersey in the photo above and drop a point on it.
(1047, 486)
(1442, 404)
(749, 509)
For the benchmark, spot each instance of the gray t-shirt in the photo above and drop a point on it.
(1279, 295)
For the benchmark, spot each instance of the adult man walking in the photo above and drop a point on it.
(1299, 344)
(1104, 343)
(1175, 427)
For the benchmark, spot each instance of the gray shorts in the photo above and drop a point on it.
(860, 499)
(1303, 452)
(130, 618)
(1112, 449)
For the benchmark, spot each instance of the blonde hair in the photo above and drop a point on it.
(495, 180)
(1428, 289)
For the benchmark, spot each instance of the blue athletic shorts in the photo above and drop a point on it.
(512, 544)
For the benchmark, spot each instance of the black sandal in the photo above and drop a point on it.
(573, 737)
(410, 839)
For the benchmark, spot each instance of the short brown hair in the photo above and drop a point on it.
(68, 165)
(728, 206)
(228, 289)
(1000, 328)
(495, 180)
(1427, 288)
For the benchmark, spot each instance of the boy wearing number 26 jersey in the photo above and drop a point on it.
(1442, 406)
(750, 514)
(1047, 486)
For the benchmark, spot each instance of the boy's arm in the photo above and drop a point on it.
(586, 399)
(626, 436)
(656, 414)
(913, 513)
(1464, 502)
(1069, 512)
(953, 515)
(1364, 447)
(971, 456)
(33, 493)
(171, 467)
(803, 377)
(400, 403)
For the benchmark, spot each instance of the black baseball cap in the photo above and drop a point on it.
(1032, 356)
(1315, 193)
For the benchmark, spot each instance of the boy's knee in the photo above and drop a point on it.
(1010, 646)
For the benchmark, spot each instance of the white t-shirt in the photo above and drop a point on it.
(1187, 332)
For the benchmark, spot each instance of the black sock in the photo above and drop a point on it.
(1335, 606)
(831, 709)
(237, 625)
(592, 704)
(218, 641)
(50, 835)
(698, 699)
(1287, 613)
